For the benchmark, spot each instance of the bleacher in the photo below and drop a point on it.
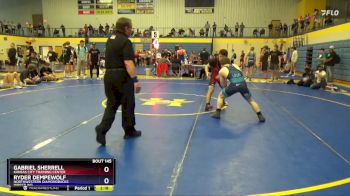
(342, 48)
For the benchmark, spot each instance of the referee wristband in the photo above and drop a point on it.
(134, 79)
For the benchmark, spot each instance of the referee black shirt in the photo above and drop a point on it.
(118, 49)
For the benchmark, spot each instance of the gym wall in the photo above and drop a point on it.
(19, 10)
(171, 13)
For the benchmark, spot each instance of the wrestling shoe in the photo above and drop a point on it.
(216, 114)
(132, 134)
(208, 107)
(261, 118)
(100, 138)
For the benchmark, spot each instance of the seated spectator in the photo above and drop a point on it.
(33, 60)
(30, 75)
(181, 32)
(191, 32)
(47, 74)
(255, 32)
(262, 32)
(307, 79)
(56, 33)
(175, 65)
(320, 79)
(201, 32)
(9, 81)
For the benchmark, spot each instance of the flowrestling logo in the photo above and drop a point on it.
(330, 12)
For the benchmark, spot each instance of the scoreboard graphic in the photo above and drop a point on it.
(97, 174)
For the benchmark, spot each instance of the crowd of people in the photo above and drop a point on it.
(27, 68)
(300, 25)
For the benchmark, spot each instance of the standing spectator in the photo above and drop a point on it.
(241, 59)
(113, 28)
(19, 29)
(214, 29)
(302, 24)
(100, 30)
(226, 30)
(181, 53)
(317, 19)
(329, 62)
(63, 30)
(91, 30)
(19, 58)
(236, 29)
(67, 55)
(285, 29)
(321, 58)
(204, 56)
(270, 29)
(13, 28)
(264, 58)
(82, 54)
(12, 58)
(48, 28)
(293, 60)
(279, 30)
(2, 26)
(250, 61)
(94, 59)
(275, 61)
(86, 30)
(233, 57)
(207, 27)
(52, 55)
(107, 29)
(241, 27)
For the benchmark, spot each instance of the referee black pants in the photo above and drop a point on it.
(92, 66)
(119, 89)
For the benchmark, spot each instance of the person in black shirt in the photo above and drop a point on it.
(12, 58)
(329, 63)
(94, 59)
(47, 74)
(33, 60)
(67, 59)
(120, 82)
(275, 61)
(30, 75)
(264, 61)
(30, 49)
(204, 56)
(52, 55)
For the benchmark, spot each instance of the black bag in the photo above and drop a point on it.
(291, 81)
(336, 59)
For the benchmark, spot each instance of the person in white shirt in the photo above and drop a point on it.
(320, 76)
(82, 54)
(294, 60)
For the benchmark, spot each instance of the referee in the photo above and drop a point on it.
(120, 82)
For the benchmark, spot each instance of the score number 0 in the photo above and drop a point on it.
(106, 170)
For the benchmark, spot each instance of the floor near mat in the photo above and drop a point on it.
(303, 147)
